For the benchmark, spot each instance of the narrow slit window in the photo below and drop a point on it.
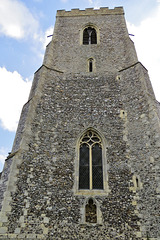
(90, 162)
(137, 182)
(90, 65)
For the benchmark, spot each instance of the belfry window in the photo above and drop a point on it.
(89, 36)
(90, 162)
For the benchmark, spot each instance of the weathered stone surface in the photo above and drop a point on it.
(117, 100)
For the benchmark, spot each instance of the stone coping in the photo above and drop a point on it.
(90, 11)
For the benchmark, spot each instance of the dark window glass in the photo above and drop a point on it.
(97, 171)
(90, 65)
(89, 36)
(91, 212)
(137, 182)
(97, 177)
(84, 167)
(90, 162)
(94, 37)
(85, 37)
(95, 139)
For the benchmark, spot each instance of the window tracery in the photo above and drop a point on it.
(90, 162)
(89, 36)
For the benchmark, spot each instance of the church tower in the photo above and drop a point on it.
(85, 163)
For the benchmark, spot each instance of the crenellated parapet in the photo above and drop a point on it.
(90, 11)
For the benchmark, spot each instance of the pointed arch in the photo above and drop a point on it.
(90, 211)
(91, 165)
(91, 64)
(90, 161)
(89, 34)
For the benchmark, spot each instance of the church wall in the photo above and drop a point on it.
(4, 179)
(42, 200)
(142, 131)
(47, 169)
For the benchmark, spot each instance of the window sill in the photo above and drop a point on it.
(92, 192)
(90, 224)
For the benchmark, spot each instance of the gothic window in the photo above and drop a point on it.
(89, 36)
(90, 162)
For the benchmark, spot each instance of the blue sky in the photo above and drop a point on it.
(24, 27)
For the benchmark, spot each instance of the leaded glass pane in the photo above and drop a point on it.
(97, 175)
(90, 162)
(85, 37)
(90, 134)
(95, 139)
(84, 177)
(94, 37)
(84, 167)
(97, 171)
(85, 139)
(96, 155)
(89, 36)
(84, 155)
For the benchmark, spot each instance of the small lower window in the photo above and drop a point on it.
(91, 212)
(91, 65)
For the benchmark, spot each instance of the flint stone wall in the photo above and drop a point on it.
(117, 100)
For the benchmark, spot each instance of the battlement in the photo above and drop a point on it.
(90, 11)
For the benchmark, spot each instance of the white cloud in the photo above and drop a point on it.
(14, 93)
(147, 42)
(95, 3)
(3, 155)
(41, 41)
(44, 37)
(16, 20)
(97, 7)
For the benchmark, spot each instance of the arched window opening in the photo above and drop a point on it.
(137, 182)
(91, 212)
(89, 36)
(91, 65)
(90, 162)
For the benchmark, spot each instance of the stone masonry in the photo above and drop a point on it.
(39, 197)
